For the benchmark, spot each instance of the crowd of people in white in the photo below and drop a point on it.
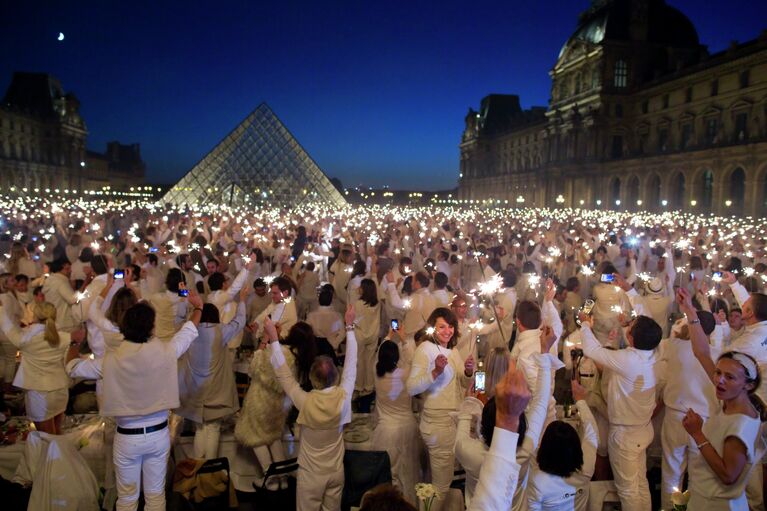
(452, 323)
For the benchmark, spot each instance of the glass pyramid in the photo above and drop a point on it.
(258, 163)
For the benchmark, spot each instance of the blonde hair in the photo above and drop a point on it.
(46, 313)
(496, 365)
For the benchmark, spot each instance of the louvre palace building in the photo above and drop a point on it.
(641, 116)
(43, 143)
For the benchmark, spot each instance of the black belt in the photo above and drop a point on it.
(141, 431)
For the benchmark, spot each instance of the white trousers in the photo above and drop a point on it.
(627, 446)
(366, 362)
(206, 437)
(319, 492)
(438, 434)
(137, 459)
(675, 442)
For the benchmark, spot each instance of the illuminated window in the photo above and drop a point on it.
(621, 76)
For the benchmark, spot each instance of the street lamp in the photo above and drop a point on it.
(664, 203)
(728, 203)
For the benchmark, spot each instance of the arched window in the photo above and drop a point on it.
(677, 191)
(562, 90)
(578, 83)
(615, 193)
(621, 75)
(707, 190)
(737, 190)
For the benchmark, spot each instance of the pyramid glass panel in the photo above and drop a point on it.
(257, 156)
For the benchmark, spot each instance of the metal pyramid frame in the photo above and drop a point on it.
(258, 163)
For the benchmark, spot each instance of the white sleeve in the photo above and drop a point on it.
(598, 353)
(550, 316)
(499, 474)
(89, 369)
(238, 284)
(637, 302)
(184, 337)
(740, 293)
(349, 375)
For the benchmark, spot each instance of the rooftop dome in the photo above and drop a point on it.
(612, 20)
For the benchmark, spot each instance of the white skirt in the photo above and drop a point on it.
(43, 405)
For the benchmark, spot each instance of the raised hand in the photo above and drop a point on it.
(547, 338)
(349, 315)
(729, 277)
(692, 423)
(439, 365)
(579, 391)
(468, 366)
(511, 398)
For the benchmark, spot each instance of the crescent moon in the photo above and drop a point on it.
(61, 36)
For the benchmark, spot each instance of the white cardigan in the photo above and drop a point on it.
(42, 365)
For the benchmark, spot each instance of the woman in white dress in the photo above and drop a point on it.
(440, 373)
(724, 447)
(367, 310)
(42, 374)
(396, 431)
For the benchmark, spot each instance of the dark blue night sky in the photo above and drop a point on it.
(375, 92)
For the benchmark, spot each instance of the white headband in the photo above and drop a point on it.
(748, 364)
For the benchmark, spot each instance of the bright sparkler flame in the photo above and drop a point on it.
(491, 286)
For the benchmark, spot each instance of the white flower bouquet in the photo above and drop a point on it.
(426, 493)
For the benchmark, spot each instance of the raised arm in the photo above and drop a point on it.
(235, 326)
(740, 292)
(350, 362)
(536, 416)
(14, 334)
(698, 337)
(500, 470)
(595, 351)
(281, 369)
(188, 333)
(239, 281)
(589, 435)
(636, 301)
(97, 317)
(549, 314)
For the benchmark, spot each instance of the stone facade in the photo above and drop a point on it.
(43, 138)
(640, 117)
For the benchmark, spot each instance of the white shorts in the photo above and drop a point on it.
(43, 405)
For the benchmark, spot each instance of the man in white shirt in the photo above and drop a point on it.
(530, 320)
(222, 294)
(323, 412)
(417, 308)
(630, 405)
(281, 312)
(139, 387)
